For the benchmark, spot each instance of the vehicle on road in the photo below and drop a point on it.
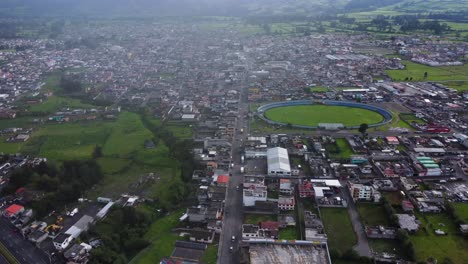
(231, 249)
(233, 238)
(242, 169)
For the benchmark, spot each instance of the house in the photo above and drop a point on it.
(306, 189)
(286, 203)
(392, 140)
(270, 229)
(407, 206)
(78, 253)
(62, 241)
(408, 184)
(202, 236)
(13, 211)
(250, 231)
(408, 222)
(363, 192)
(197, 214)
(286, 187)
(37, 236)
(253, 194)
(222, 180)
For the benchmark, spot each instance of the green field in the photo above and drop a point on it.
(411, 118)
(372, 214)
(340, 150)
(416, 71)
(318, 89)
(427, 244)
(461, 209)
(312, 115)
(161, 238)
(338, 228)
(288, 233)
(254, 219)
(211, 255)
(56, 103)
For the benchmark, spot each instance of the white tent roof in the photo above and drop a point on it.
(278, 159)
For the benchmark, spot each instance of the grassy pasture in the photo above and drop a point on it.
(416, 70)
(372, 214)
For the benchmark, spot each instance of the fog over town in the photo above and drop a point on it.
(233, 131)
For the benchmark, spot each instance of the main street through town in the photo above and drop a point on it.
(233, 216)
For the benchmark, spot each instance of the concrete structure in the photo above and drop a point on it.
(278, 162)
(253, 194)
(408, 222)
(286, 187)
(286, 203)
(301, 252)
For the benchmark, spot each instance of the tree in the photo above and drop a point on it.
(289, 125)
(363, 129)
(97, 152)
(425, 75)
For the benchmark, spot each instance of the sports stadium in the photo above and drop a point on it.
(327, 114)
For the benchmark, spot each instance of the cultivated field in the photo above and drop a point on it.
(312, 115)
(416, 71)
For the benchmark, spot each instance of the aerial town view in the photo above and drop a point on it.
(233, 131)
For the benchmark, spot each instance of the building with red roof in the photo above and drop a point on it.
(222, 180)
(13, 210)
(305, 189)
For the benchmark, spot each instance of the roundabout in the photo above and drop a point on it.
(323, 114)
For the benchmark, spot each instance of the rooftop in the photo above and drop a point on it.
(280, 254)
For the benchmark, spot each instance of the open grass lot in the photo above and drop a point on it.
(384, 245)
(288, 233)
(338, 228)
(415, 70)
(254, 219)
(318, 89)
(428, 244)
(372, 214)
(411, 118)
(180, 130)
(161, 238)
(312, 115)
(461, 209)
(394, 198)
(457, 85)
(211, 255)
(55, 103)
(340, 150)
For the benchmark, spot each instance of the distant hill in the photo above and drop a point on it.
(168, 7)
(147, 8)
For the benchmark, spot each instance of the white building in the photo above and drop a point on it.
(253, 194)
(286, 203)
(278, 162)
(363, 192)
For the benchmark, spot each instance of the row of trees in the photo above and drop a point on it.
(123, 237)
(60, 186)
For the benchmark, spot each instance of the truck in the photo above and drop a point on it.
(242, 169)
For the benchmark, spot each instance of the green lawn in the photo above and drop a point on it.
(415, 70)
(312, 115)
(372, 214)
(211, 255)
(411, 118)
(162, 239)
(427, 244)
(254, 219)
(394, 198)
(457, 85)
(56, 103)
(340, 150)
(180, 130)
(461, 209)
(288, 233)
(318, 89)
(385, 245)
(338, 228)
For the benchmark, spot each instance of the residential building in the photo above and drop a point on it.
(253, 194)
(305, 189)
(286, 187)
(286, 203)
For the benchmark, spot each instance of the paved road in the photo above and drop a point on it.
(23, 250)
(362, 247)
(233, 217)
